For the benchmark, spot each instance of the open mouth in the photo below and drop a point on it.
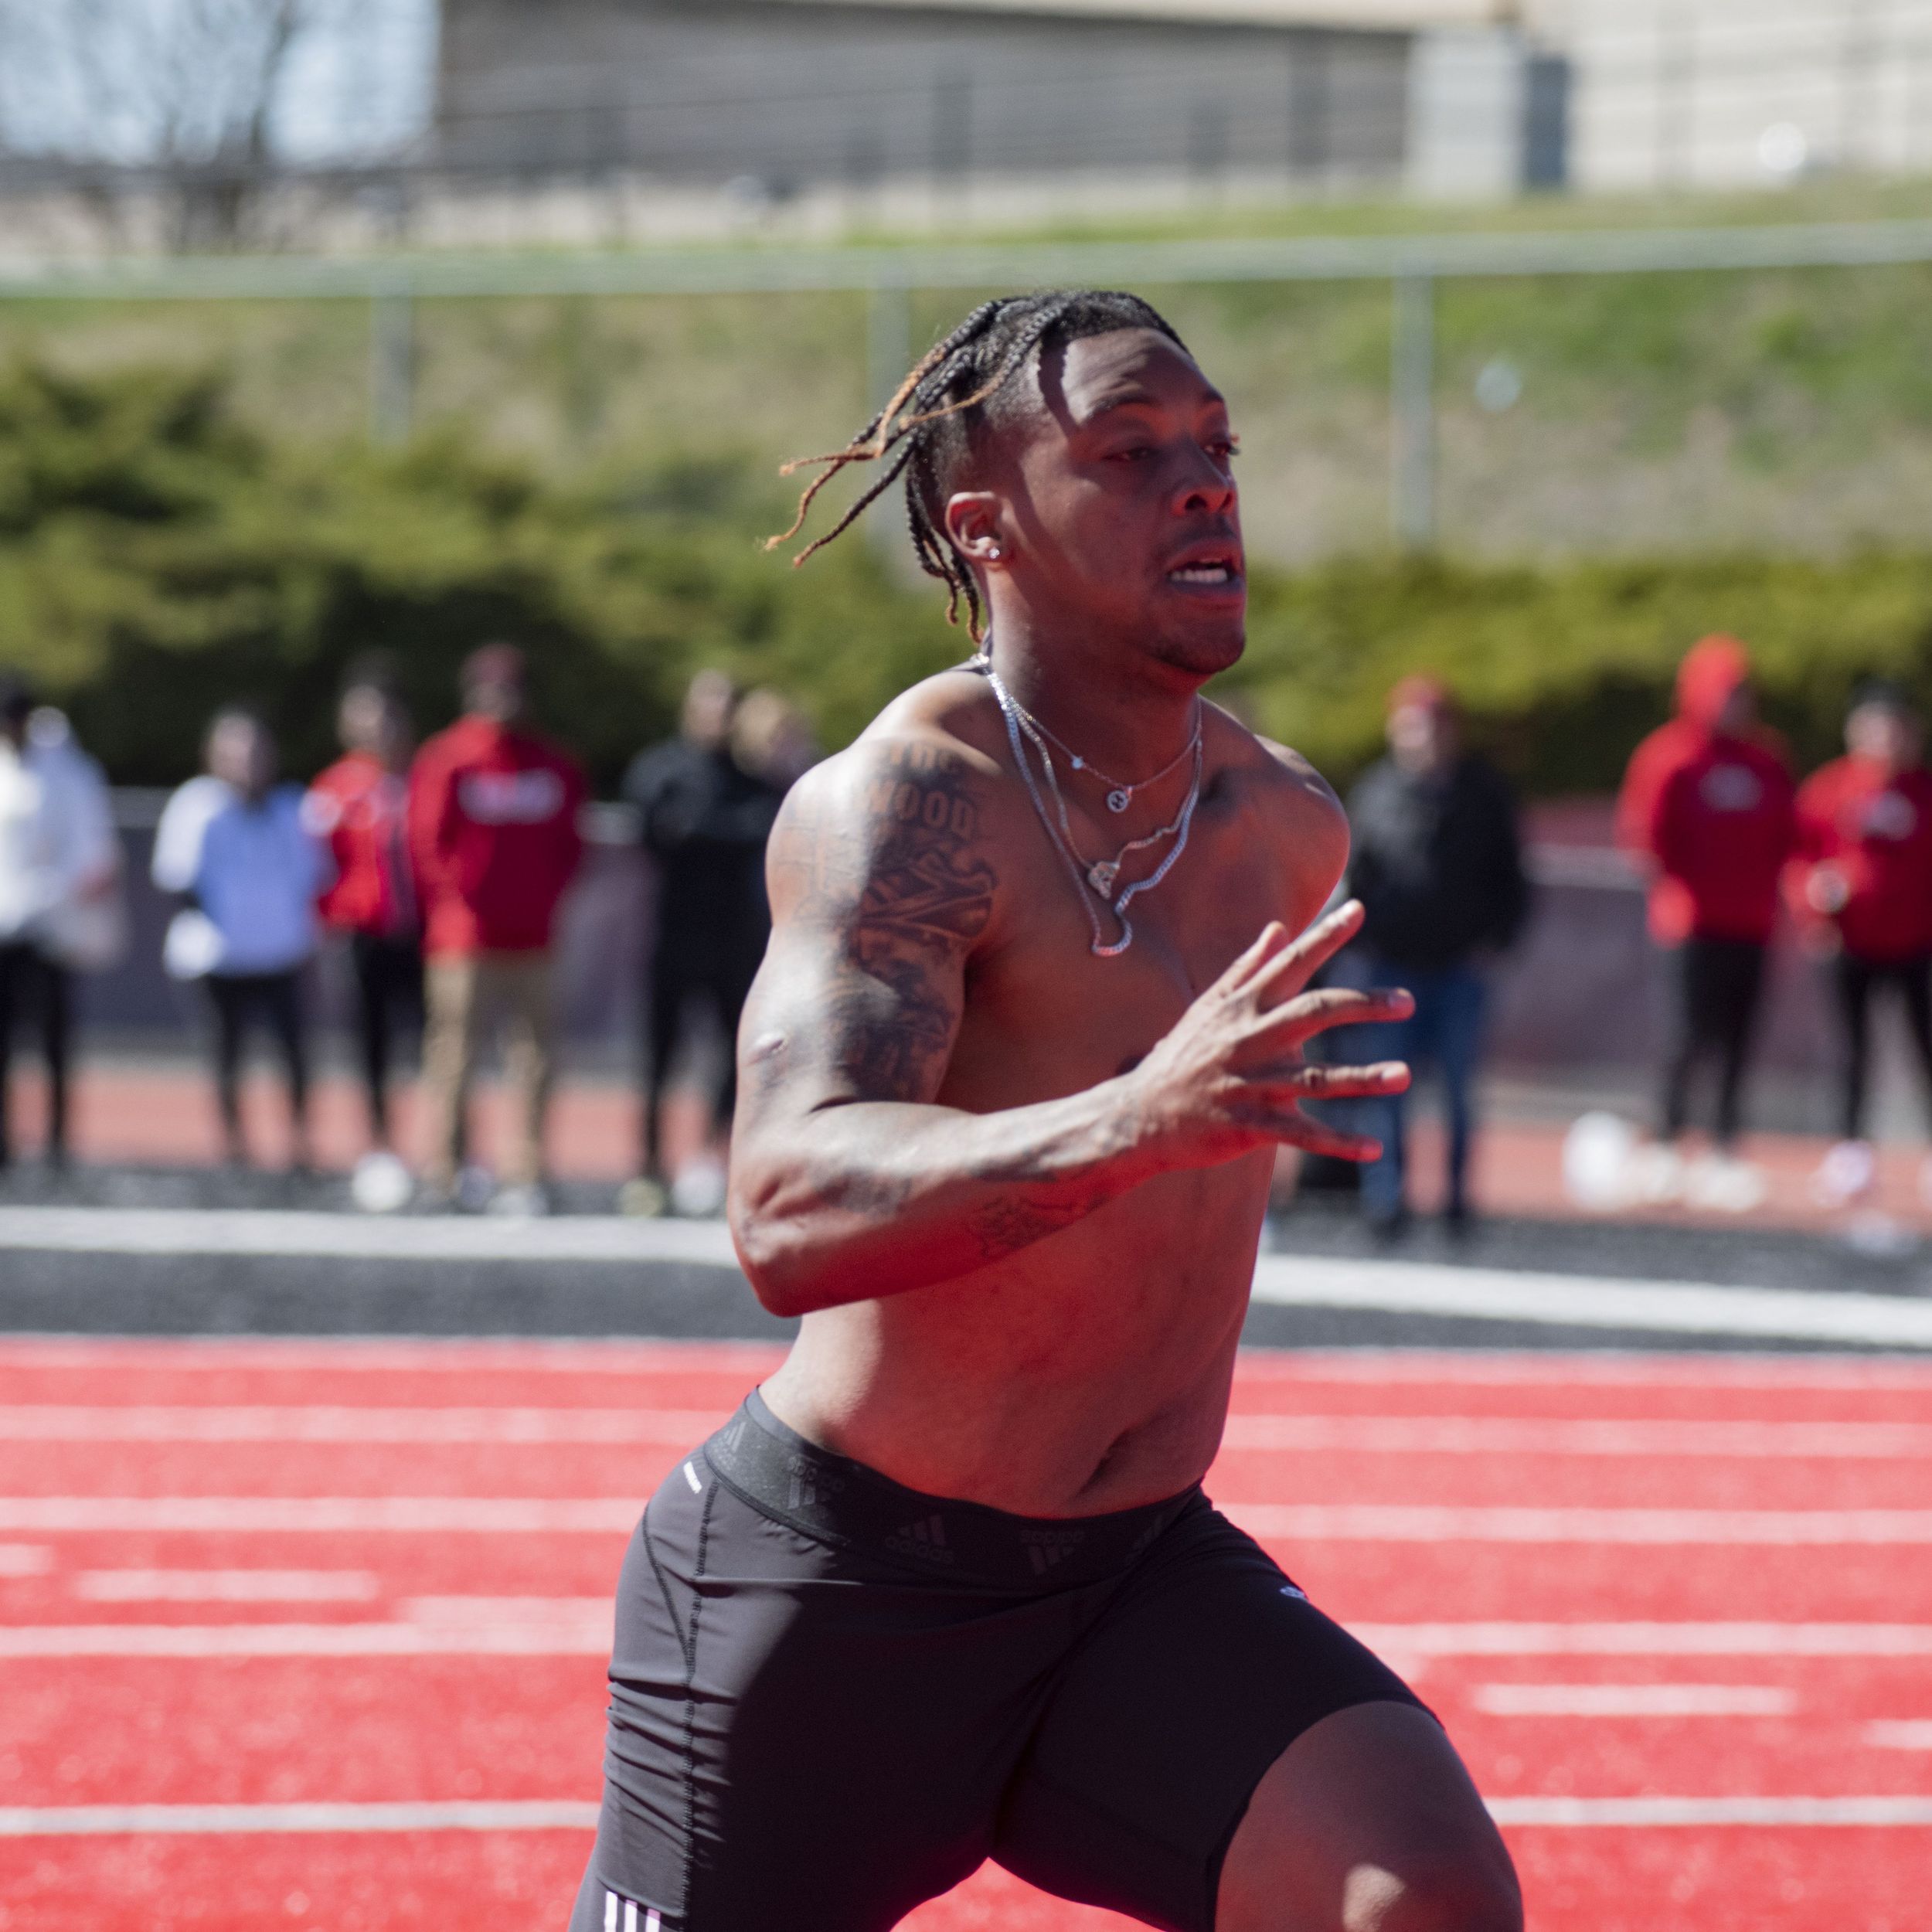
(1213, 572)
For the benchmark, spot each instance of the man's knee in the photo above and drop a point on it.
(1474, 1893)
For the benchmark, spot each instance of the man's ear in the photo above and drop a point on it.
(974, 522)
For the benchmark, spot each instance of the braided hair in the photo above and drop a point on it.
(925, 431)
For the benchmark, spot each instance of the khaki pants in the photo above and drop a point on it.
(464, 997)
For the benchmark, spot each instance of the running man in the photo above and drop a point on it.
(1014, 1072)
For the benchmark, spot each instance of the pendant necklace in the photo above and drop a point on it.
(1120, 795)
(1099, 878)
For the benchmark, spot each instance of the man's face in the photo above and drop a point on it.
(707, 705)
(1125, 521)
(241, 754)
(1422, 738)
(1884, 733)
(497, 697)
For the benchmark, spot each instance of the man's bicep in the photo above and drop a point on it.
(881, 890)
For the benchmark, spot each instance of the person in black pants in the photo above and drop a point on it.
(705, 820)
(1719, 981)
(28, 975)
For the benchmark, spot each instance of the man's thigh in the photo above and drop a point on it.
(1199, 1675)
(1367, 1822)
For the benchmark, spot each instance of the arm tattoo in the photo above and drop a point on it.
(923, 890)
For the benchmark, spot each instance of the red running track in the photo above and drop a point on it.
(262, 1575)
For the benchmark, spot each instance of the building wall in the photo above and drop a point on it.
(795, 97)
(1730, 93)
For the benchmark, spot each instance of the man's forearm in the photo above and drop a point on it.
(868, 1199)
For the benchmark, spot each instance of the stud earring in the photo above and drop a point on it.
(994, 553)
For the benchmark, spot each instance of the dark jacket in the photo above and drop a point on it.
(1437, 863)
(705, 821)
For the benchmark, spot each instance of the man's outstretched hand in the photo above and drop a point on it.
(1231, 1076)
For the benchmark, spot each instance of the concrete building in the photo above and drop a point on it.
(1730, 93)
(784, 98)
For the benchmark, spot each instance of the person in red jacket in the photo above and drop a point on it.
(1860, 888)
(493, 825)
(1707, 800)
(358, 807)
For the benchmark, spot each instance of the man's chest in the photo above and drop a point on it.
(1073, 1016)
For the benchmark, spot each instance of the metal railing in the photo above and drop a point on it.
(1413, 265)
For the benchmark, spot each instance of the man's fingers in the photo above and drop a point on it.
(1268, 943)
(1291, 968)
(1308, 1014)
(1313, 1137)
(1342, 1083)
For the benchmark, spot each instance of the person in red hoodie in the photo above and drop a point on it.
(358, 807)
(1860, 888)
(1707, 801)
(493, 825)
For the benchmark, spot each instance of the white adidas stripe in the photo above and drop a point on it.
(1448, 1523)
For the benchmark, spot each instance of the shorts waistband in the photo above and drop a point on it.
(831, 1498)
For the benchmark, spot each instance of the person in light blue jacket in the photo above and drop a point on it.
(232, 846)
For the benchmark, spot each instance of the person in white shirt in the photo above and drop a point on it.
(59, 900)
(232, 845)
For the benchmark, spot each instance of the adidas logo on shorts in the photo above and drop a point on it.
(623, 1915)
(1046, 1547)
(925, 1539)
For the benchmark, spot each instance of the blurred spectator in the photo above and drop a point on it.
(1708, 801)
(493, 824)
(1861, 889)
(359, 806)
(771, 739)
(704, 817)
(60, 905)
(1437, 863)
(231, 845)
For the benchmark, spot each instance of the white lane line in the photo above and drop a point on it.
(275, 1233)
(1302, 1522)
(508, 1515)
(67, 1422)
(1664, 1307)
(1900, 1733)
(1650, 1812)
(1574, 1436)
(565, 1634)
(466, 1356)
(227, 1586)
(24, 1559)
(66, 1821)
(1449, 1523)
(1282, 1281)
(1634, 1700)
(1617, 1368)
(1644, 1639)
(73, 1820)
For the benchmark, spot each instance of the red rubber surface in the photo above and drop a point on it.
(76, 1730)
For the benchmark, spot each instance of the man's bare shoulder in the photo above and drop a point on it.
(918, 788)
(1289, 800)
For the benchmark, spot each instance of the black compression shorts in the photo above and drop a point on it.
(832, 1697)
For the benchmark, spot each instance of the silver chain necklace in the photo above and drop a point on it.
(1022, 729)
(1120, 795)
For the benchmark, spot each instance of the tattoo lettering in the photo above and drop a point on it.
(924, 890)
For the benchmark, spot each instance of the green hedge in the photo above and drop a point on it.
(156, 560)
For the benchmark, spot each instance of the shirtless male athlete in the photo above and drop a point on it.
(946, 1588)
